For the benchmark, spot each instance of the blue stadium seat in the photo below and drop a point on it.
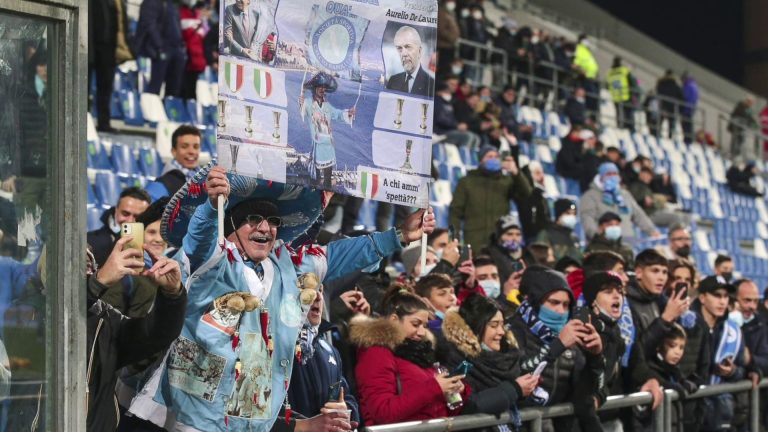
(441, 214)
(97, 156)
(195, 111)
(130, 103)
(438, 153)
(572, 187)
(92, 200)
(208, 141)
(123, 160)
(93, 215)
(150, 162)
(443, 172)
(176, 110)
(211, 115)
(107, 188)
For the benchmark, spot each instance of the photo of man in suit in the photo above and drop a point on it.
(250, 31)
(414, 80)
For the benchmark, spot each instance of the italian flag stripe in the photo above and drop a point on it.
(262, 82)
(369, 184)
(234, 74)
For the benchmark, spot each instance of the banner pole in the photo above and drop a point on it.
(220, 208)
(424, 237)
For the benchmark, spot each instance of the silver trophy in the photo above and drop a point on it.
(423, 125)
(248, 120)
(276, 132)
(234, 149)
(222, 107)
(399, 113)
(407, 164)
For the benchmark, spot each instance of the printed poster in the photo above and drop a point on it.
(336, 95)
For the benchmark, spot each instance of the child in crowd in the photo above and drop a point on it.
(437, 290)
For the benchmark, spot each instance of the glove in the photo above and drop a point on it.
(690, 386)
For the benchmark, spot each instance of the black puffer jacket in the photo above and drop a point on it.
(646, 315)
(115, 341)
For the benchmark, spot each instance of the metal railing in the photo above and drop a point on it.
(752, 139)
(662, 416)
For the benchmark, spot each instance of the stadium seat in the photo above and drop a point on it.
(92, 200)
(153, 109)
(97, 156)
(208, 141)
(107, 188)
(176, 110)
(131, 108)
(150, 162)
(93, 215)
(123, 161)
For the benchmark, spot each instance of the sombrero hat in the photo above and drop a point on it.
(298, 206)
(322, 79)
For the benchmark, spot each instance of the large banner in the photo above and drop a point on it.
(333, 94)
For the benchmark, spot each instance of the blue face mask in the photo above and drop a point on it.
(39, 85)
(611, 183)
(554, 320)
(613, 233)
(492, 165)
(512, 245)
(440, 315)
(492, 288)
(485, 347)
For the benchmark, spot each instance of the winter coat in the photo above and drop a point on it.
(575, 111)
(640, 191)
(444, 117)
(115, 341)
(508, 117)
(646, 315)
(569, 162)
(533, 213)
(448, 31)
(756, 339)
(562, 240)
(599, 242)
(669, 89)
(311, 382)
(592, 207)
(502, 259)
(691, 96)
(159, 29)
(193, 33)
(481, 198)
(613, 350)
(393, 389)
(102, 240)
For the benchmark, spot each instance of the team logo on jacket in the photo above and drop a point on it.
(233, 75)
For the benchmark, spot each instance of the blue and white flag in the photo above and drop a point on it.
(334, 37)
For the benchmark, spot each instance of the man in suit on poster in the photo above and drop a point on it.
(414, 79)
(249, 30)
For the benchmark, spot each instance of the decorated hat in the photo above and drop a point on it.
(298, 206)
(322, 79)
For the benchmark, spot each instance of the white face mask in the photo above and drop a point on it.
(477, 15)
(568, 221)
(613, 232)
(447, 97)
(450, 6)
(491, 287)
(535, 40)
(457, 70)
(464, 13)
(736, 317)
(428, 268)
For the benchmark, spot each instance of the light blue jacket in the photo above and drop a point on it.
(198, 381)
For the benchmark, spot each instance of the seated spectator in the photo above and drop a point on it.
(509, 115)
(726, 353)
(318, 368)
(115, 341)
(540, 254)
(476, 333)
(445, 122)
(724, 267)
(559, 234)
(544, 332)
(487, 275)
(466, 112)
(590, 165)
(438, 292)
(576, 108)
(755, 329)
(570, 159)
(132, 202)
(680, 242)
(653, 204)
(740, 179)
(606, 195)
(482, 196)
(506, 248)
(609, 238)
(534, 212)
(396, 379)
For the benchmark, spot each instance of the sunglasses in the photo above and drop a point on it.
(256, 220)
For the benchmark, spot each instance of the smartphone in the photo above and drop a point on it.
(451, 233)
(334, 391)
(462, 369)
(466, 253)
(517, 266)
(135, 230)
(540, 368)
(727, 360)
(680, 286)
(582, 314)
(504, 154)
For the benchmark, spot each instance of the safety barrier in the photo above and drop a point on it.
(662, 416)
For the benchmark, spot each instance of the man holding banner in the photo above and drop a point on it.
(261, 282)
(320, 113)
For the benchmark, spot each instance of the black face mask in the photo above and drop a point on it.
(727, 276)
(684, 251)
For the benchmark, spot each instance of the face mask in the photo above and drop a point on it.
(428, 268)
(613, 233)
(554, 320)
(684, 251)
(727, 276)
(535, 40)
(736, 317)
(440, 315)
(464, 13)
(512, 245)
(580, 99)
(450, 6)
(486, 99)
(456, 70)
(39, 85)
(492, 165)
(749, 320)
(485, 347)
(477, 15)
(447, 97)
(439, 254)
(611, 183)
(492, 288)
(568, 221)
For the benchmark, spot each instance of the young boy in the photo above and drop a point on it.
(438, 290)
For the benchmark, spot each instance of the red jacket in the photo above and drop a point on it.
(193, 32)
(377, 373)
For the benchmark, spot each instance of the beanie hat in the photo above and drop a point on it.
(539, 281)
(505, 223)
(235, 217)
(563, 205)
(484, 150)
(608, 217)
(607, 168)
(411, 256)
(477, 310)
(565, 262)
(598, 282)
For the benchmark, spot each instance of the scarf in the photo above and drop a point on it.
(306, 341)
(173, 164)
(420, 353)
(627, 329)
(534, 324)
(613, 197)
(730, 342)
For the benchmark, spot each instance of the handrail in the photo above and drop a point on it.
(662, 418)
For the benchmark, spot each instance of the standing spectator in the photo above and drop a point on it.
(559, 234)
(619, 84)
(445, 122)
(570, 160)
(132, 202)
(482, 196)
(739, 177)
(544, 56)
(534, 212)
(107, 23)
(724, 267)
(448, 33)
(741, 122)
(158, 37)
(607, 195)
(755, 329)
(652, 112)
(476, 29)
(194, 28)
(691, 99)
(506, 248)
(586, 67)
(608, 238)
(185, 149)
(576, 108)
(671, 96)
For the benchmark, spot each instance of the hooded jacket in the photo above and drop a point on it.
(102, 240)
(393, 389)
(562, 240)
(646, 315)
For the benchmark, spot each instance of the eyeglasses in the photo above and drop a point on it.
(256, 220)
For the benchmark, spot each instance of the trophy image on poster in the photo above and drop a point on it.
(423, 125)
(399, 113)
(234, 149)
(248, 120)
(222, 107)
(276, 132)
(407, 164)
